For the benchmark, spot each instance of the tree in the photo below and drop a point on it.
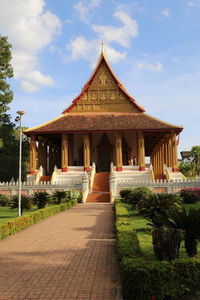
(190, 165)
(9, 144)
(6, 71)
(195, 155)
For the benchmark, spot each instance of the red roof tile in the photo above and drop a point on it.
(92, 122)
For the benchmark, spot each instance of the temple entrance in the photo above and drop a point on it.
(104, 154)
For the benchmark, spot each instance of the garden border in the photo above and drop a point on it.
(144, 279)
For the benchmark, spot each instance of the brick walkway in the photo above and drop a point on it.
(68, 256)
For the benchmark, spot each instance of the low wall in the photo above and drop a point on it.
(10, 189)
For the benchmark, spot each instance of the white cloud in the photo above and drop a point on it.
(122, 35)
(193, 3)
(165, 12)
(157, 67)
(30, 28)
(85, 9)
(34, 80)
(80, 47)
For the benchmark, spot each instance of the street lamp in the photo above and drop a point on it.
(19, 118)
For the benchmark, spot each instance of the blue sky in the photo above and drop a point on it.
(152, 45)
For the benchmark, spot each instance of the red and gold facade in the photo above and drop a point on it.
(103, 124)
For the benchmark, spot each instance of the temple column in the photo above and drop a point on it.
(40, 151)
(162, 158)
(165, 153)
(118, 152)
(86, 152)
(51, 159)
(64, 153)
(141, 151)
(32, 164)
(174, 154)
(44, 156)
(169, 152)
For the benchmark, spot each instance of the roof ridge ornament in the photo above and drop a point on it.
(102, 48)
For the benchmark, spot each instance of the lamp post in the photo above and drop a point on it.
(19, 118)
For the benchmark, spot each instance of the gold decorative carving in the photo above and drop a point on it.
(103, 77)
(84, 97)
(103, 95)
(113, 95)
(94, 95)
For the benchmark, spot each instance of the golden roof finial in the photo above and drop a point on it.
(102, 48)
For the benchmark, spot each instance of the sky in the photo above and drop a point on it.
(153, 47)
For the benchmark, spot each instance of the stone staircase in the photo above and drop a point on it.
(100, 189)
(45, 178)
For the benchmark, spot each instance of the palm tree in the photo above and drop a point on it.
(189, 223)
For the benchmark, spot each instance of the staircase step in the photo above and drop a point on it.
(99, 197)
(101, 182)
(45, 178)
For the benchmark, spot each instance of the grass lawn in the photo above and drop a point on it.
(7, 214)
(144, 232)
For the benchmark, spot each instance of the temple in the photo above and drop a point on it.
(104, 126)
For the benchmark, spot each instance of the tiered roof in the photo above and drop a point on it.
(103, 105)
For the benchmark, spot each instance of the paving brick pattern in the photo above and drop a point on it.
(67, 256)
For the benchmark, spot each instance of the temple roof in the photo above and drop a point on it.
(104, 92)
(98, 122)
(103, 105)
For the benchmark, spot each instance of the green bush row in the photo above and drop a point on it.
(23, 222)
(143, 278)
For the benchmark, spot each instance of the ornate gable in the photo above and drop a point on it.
(104, 93)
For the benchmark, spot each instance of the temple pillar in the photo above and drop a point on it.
(169, 153)
(165, 153)
(86, 152)
(141, 151)
(64, 153)
(32, 164)
(118, 145)
(40, 151)
(51, 158)
(44, 156)
(174, 154)
(162, 158)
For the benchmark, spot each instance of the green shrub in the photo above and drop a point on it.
(143, 278)
(23, 222)
(72, 195)
(158, 205)
(59, 197)
(190, 195)
(4, 201)
(127, 240)
(26, 202)
(125, 195)
(133, 196)
(41, 199)
(189, 223)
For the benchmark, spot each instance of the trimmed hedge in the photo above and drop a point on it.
(144, 278)
(23, 222)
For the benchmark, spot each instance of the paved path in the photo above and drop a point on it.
(68, 256)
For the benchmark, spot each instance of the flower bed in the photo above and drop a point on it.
(23, 222)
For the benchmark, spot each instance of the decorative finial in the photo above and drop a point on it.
(102, 48)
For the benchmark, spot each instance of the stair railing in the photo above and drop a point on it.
(85, 187)
(53, 177)
(93, 171)
(39, 174)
